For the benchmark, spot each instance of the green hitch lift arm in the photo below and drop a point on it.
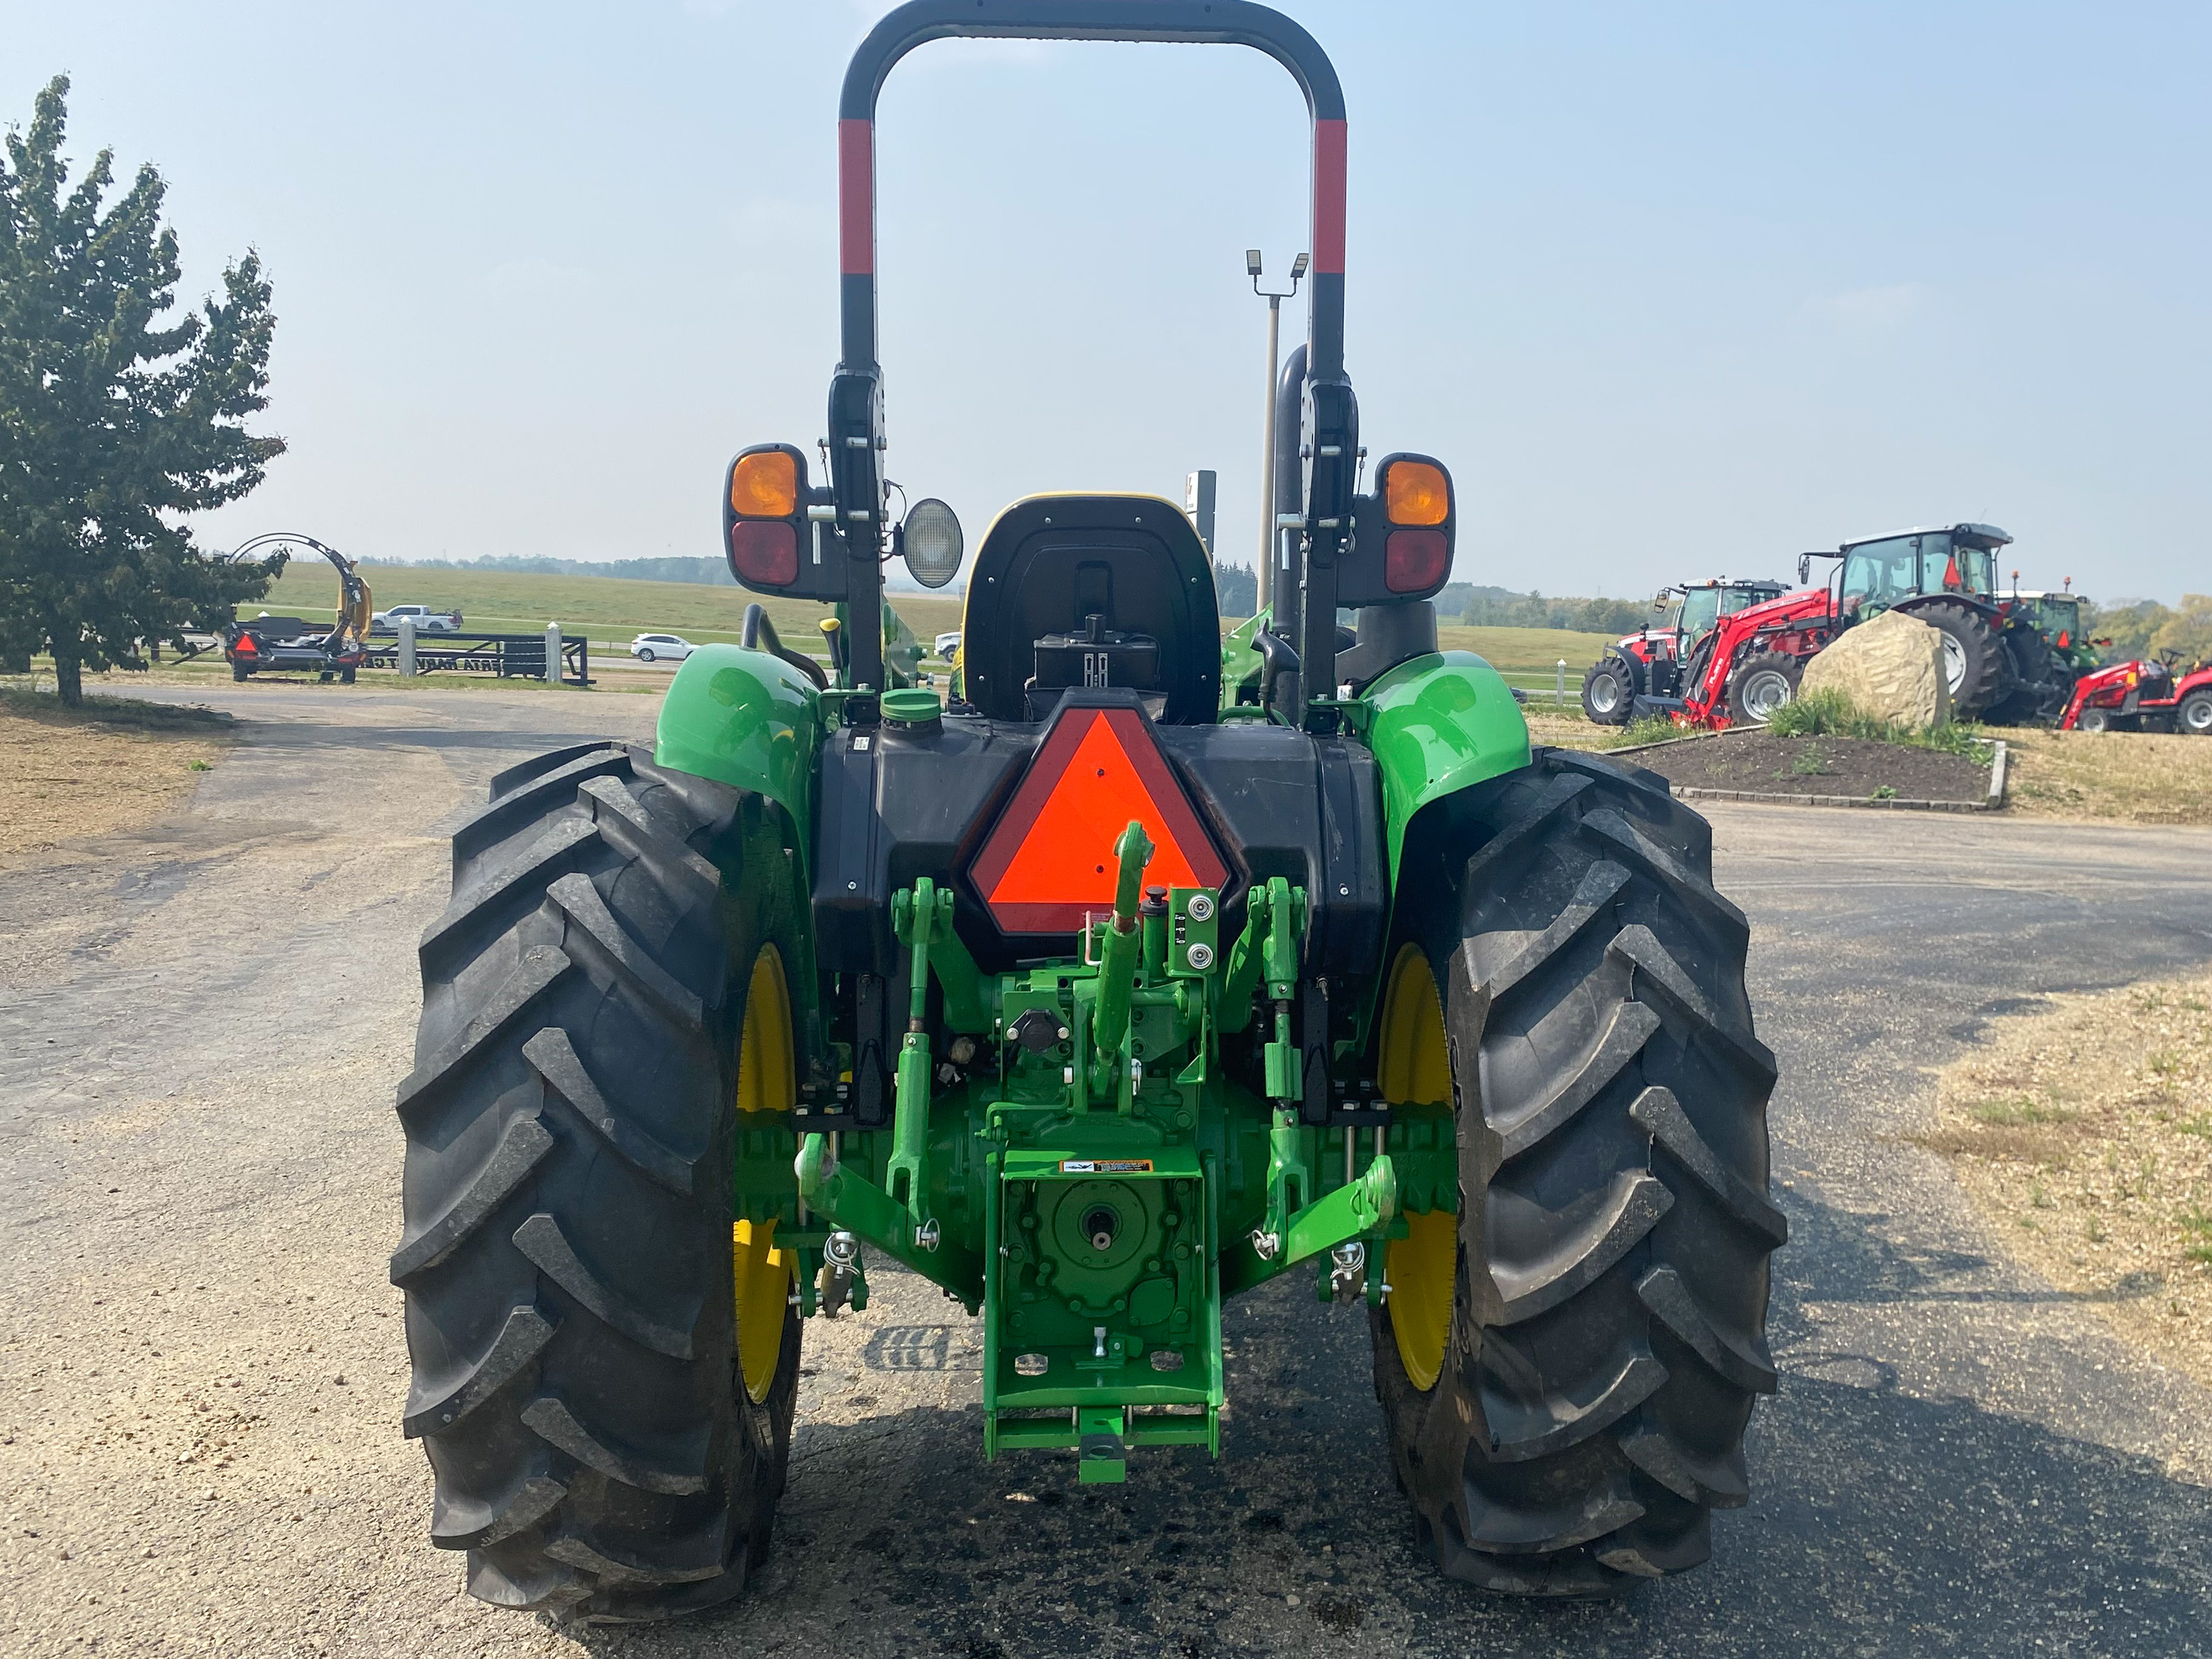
(917, 918)
(1117, 961)
(1267, 948)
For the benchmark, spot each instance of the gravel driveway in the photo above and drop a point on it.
(201, 1363)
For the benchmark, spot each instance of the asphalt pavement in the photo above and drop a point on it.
(201, 1362)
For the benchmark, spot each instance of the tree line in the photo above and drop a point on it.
(2145, 628)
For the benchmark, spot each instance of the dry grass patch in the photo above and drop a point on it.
(113, 764)
(2129, 777)
(2085, 1132)
(1566, 730)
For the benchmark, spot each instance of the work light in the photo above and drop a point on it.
(930, 540)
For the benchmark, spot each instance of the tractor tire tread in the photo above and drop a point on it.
(553, 1056)
(1614, 666)
(1983, 683)
(522, 1147)
(559, 1427)
(566, 1254)
(540, 967)
(1607, 1342)
(541, 1240)
(520, 1340)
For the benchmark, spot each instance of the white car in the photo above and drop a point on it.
(946, 645)
(661, 648)
(426, 620)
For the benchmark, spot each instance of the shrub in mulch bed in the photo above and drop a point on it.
(1769, 763)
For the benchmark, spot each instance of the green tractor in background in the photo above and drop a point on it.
(2060, 629)
(1094, 995)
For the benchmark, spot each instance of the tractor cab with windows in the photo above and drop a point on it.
(1946, 576)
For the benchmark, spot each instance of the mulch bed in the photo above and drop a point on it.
(1852, 768)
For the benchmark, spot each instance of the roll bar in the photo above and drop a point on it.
(1330, 417)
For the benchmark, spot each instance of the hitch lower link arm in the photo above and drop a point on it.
(898, 1221)
(1297, 1225)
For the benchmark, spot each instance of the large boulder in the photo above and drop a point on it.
(1890, 667)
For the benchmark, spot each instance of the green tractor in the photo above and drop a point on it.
(1094, 996)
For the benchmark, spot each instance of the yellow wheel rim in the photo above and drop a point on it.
(1414, 1069)
(768, 1081)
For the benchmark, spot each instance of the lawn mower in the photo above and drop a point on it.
(1093, 996)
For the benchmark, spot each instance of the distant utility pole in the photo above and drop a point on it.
(1267, 425)
(1198, 501)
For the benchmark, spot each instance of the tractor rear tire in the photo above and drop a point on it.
(2194, 717)
(1592, 1324)
(567, 1257)
(1764, 682)
(2038, 679)
(1608, 691)
(1971, 649)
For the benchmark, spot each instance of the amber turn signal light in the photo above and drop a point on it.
(1416, 493)
(765, 485)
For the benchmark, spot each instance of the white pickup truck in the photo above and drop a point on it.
(426, 620)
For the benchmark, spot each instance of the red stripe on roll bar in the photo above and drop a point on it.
(856, 197)
(1328, 168)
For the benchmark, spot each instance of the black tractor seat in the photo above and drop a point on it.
(1096, 590)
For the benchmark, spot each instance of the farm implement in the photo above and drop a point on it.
(288, 645)
(1093, 995)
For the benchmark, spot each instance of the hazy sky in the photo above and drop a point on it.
(1674, 290)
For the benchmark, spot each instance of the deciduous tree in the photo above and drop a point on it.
(114, 428)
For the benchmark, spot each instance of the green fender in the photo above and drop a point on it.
(1439, 723)
(748, 719)
(1240, 663)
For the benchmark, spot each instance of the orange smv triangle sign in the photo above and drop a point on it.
(1050, 858)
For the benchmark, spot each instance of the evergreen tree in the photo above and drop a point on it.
(111, 427)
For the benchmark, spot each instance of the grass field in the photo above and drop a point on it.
(611, 610)
(607, 609)
(2136, 777)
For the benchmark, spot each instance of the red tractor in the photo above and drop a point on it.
(1648, 662)
(2152, 697)
(1750, 664)
(1996, 658)
(1747, 666)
